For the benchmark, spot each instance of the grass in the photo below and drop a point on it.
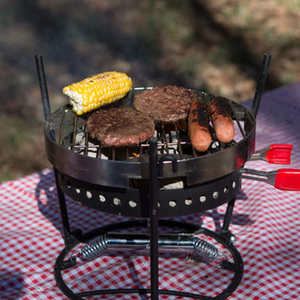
(17, 156)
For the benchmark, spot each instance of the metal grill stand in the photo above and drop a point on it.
(74, 238)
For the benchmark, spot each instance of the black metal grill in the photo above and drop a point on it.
(201, 180)
(72, 150)
(134, 185)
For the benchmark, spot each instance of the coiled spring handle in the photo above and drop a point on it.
(196, 248)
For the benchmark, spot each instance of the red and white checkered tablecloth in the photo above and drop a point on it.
(265, 220)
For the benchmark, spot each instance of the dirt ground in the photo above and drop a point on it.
(216, 46)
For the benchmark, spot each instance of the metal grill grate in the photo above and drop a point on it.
(71, 133)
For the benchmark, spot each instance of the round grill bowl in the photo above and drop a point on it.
(97, 177)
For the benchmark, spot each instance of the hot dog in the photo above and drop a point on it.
(220, 112)
(199, 133)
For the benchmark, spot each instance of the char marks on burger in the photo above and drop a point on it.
(120, 127)
(166, 103)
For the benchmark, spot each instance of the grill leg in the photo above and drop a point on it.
(69, 238)
(225, 232)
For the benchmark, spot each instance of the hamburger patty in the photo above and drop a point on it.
(120, 126)
(166, 103)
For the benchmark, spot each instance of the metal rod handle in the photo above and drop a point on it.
(138, 243)
(260, 84)
(44, 89)
(43, 85)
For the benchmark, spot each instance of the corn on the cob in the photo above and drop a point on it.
(97, 90)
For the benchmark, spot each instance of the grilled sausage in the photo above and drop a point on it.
(199, 126)
(220, 112)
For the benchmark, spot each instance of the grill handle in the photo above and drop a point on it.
(260, 84)
(274, 154)
(43, 85)
(44, 90)
(282, 179)
(139, 243)
(288, 180)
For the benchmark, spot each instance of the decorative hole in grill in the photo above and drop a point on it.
(117, 201)
(172, 203)
(132, 203)
(102, 198)
(202, 198)
(215, 194)
(188, 201)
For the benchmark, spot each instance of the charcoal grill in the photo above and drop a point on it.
(160, 178)
(214, 175)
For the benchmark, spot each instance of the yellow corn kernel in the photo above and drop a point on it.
(97, 90)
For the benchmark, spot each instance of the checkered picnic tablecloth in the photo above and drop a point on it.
(265, 221)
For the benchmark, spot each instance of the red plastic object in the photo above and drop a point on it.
(279, 154)
(288, 180)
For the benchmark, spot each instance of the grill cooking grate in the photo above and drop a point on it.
(72, 134)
